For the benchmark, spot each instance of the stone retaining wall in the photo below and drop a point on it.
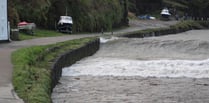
(157, 32)
(166, 31)
(71, 57)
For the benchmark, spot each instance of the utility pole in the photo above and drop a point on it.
(4, 28)
(66, 11)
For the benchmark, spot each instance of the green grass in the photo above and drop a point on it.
(189, 24)
(32, 72)
(40, 33)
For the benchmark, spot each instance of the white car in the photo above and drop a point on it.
(27, 27)
(165, 13)
(65, 24)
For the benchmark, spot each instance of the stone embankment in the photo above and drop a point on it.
(70, 57)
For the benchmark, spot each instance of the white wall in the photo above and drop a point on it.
(3, 20)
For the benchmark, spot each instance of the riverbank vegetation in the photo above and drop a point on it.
(88, 15)
(32, 69)
(100, 15)
(39, 33)
(95, 15)
(192, 9)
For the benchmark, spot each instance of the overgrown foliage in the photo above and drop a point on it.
(196, 9)
(146, 6)
(31, 11)
(88, 15)
(32, 72)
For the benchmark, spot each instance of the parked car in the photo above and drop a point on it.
(146, 17)
(165, 13)
(27, 27)
(65, 24)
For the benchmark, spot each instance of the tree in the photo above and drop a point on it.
(88, 15)
(198, 9)
(33, 10)
(13, 16)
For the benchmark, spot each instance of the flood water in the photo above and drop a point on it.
(123, 66)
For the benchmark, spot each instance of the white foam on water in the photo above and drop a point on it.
(105, 40)
(151, 68)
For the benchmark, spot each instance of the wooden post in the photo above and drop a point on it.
(15, 34)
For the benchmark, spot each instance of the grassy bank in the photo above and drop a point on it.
(190, 24)
(40, 33)
(32, 69)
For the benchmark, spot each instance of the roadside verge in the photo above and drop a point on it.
(37, 69)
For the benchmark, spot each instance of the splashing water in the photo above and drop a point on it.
(184, 55)
(152, 68)
(107, 39)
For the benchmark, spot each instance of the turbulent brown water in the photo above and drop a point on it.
(142, 70)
